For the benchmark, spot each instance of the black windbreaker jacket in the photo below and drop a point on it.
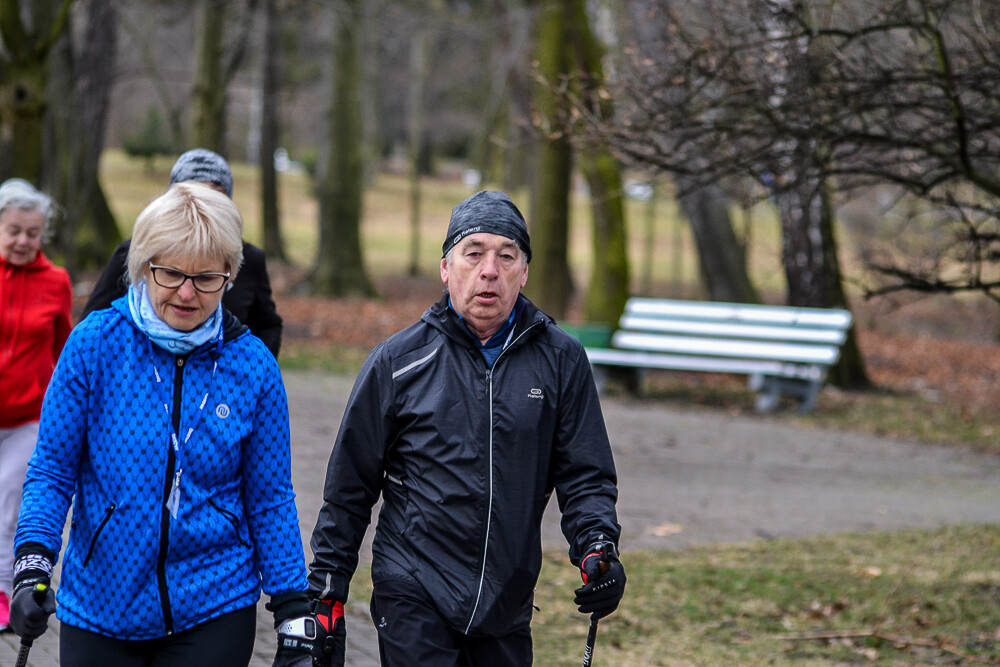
(466, 457)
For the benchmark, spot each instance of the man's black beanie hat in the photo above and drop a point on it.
(488, 212)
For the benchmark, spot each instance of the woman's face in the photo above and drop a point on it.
(21, 235)
(183, 308)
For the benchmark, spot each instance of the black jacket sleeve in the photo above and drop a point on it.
(586, 482)
(257, 311)
(113, 282)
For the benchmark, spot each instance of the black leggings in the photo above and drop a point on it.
(226, 641)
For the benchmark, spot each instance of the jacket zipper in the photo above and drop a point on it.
(489, 504)
(161, 561)
(93, 541)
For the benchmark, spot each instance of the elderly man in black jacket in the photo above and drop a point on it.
(465, 422)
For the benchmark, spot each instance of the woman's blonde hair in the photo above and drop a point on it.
(189, 219)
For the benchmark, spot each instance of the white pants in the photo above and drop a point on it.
(16, 446)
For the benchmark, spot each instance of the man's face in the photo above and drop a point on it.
(484, 277)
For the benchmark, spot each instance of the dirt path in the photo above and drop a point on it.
(686, 477)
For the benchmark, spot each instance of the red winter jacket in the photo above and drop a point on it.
(36, 303)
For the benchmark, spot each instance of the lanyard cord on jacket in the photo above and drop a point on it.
(174, 499)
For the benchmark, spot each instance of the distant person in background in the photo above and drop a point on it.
(36, 300)
(248, 297)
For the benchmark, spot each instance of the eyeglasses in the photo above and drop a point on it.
(206, 283)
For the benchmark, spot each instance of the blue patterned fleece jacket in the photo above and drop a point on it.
(132, 569)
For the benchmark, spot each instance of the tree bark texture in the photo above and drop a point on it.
(550, 284)
(809, 256)
(340, 267)
(609, 278)
(721, 258)
(415, 130)
(274, 245)
(208, 104)
(24, 65)
(80, 78)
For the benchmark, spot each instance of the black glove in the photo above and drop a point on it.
(33, 600)
(330, 615)
(30, 608)
(308, 640)
(297, 640)
(603, 580)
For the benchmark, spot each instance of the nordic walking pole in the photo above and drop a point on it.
(22, 653)
(588, 652)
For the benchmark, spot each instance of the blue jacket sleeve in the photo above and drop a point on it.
(267, 494)
(54, 466)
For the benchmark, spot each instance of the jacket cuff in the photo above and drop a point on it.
(288, 605)
(33, 563)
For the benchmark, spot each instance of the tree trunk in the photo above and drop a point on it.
(274, 245)
(24, 63)
(415, 130)
(550, 284)
(609, 278)
(208, 104)
(80, 81)
(340, 268)
(809, 256)
(722, 259)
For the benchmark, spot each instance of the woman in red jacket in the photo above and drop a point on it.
(35, 319)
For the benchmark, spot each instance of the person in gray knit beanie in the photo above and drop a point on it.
(248, 297)
(201, 164)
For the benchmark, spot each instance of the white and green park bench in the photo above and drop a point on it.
(784, 350)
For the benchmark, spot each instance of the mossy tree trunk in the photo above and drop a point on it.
(609, 277)
(550, 283)
(24, 70)
(208, 103)
(80, 87)
(340, 267)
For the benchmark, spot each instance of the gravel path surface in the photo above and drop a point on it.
(685, 478)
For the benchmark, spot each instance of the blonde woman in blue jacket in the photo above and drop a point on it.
(166, 428)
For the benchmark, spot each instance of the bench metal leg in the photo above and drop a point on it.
(630, 378)
(770, 389)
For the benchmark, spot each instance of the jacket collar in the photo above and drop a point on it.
(40, 263)
(443, 318)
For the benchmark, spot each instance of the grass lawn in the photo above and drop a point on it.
(907, 598)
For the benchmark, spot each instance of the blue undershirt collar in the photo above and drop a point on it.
(492, 348)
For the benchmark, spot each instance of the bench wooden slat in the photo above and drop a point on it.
(815, 354)
(733, 330)
(704, 364)
(740, 312)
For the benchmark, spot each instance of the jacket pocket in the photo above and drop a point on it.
(97, 533)
(233, 520)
